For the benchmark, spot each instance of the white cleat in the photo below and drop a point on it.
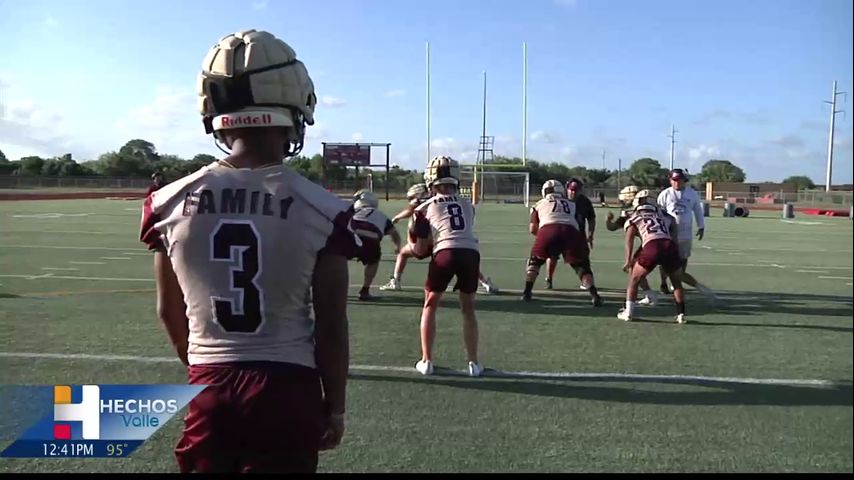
(424, 367)
(624, 315)
(680, 319)
(475, 369)
(648, 300)
(584, 287)
(489, 287)
(393, 284)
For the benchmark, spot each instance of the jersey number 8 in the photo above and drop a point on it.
(458, 222)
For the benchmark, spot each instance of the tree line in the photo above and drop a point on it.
(140, 158)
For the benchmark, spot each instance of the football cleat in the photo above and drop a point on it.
(597, 301)
(624, 315)
(549, 285)
(475, 369)
(680, 319)
(424, 367)
(366, 296)
(489, 287)
(393, 284)
(584, 287)
(526, 296)
(650, 300)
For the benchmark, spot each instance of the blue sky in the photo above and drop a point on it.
(742, 80)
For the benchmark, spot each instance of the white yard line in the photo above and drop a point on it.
(67, 269)
(585, 376)
(836, 278)
(87, 263)
(115, 258)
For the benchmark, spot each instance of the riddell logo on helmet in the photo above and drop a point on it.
(264, 119)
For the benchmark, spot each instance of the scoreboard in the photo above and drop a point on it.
(347, 155)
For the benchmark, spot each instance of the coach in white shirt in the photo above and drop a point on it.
(682, 202)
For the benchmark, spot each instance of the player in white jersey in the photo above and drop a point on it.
(251, 271)
(658, 248)
(371, 225)
(682, 202)
(444, 225)
(417, 195)
(555, 228)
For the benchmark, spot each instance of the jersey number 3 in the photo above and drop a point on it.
(238, 242)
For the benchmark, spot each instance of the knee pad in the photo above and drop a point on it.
(534, 264)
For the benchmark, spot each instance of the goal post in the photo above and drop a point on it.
(495, 186)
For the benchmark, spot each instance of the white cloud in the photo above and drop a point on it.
(789, 141)
(318, 131)
(357, 137)
(395, 93)
(545, 137)
(703, 152)
(51, 22)
(332, 102)
(170, 121)
(261, 5)
(29, 128)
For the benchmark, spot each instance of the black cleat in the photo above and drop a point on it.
(548, 284)
(527, 296)
(664, 289)
(597, 301)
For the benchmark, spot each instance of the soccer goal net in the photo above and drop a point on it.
(495, 186)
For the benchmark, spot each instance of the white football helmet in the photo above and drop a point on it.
(643, 198)
(442, 170)
(365, 199)
(417, 192)
(253, 79)
(627, 194)
(553, 187)
(645, 207)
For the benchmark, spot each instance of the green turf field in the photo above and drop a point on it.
(80, 284)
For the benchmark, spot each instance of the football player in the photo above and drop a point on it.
(555, 228)
(157, 181)
(417, 195)
(585, 215)
(243, 247)
(658, 248)
(444, 225)
(626, 196)
(371, 225)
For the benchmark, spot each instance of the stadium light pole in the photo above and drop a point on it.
(428, 104)
(524, 104)
(833, 112)
(672, 137)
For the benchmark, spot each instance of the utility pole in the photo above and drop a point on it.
(672, 136)
(833, 112)
(524, 103)
(603, 159)
(428, 104)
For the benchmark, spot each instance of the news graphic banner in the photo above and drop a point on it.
(94, 421)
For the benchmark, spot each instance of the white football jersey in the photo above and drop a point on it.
(243, 245)
(651, 226)
(451, 219)
(371, 223)
(554, 209)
